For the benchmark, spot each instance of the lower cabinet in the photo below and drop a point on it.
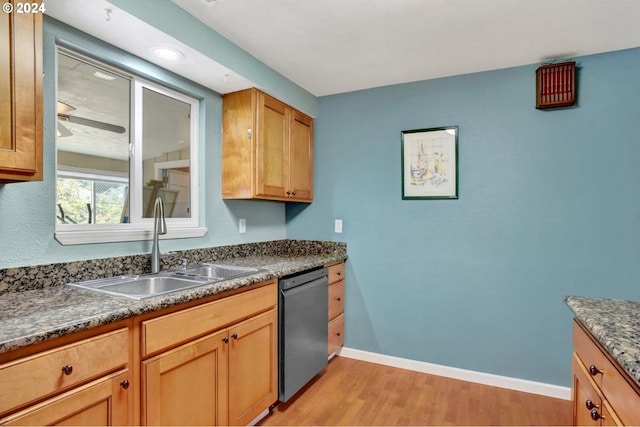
(227, 377)
(103, 402)
(602, 396)
(86, 382)
(253, 367)
(188, 385)
(209, 363)
(336, 308)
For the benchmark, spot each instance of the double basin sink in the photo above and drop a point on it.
(138, 287)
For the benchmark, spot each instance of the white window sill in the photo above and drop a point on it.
(122, 234)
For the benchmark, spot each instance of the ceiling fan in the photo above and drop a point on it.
(63, 116)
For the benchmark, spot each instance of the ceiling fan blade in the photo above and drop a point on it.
(92, 123)
(62, 131)
(63, 107)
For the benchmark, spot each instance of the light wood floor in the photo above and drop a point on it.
(353, 392)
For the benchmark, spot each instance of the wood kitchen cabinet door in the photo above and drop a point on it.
(21, 118)
(253, 367)
(187, 385)
(301, 157)
(271, 147)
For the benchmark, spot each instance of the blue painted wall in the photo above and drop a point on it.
(27, 210)
(549, 205)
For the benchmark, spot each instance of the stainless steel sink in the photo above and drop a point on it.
(145, 286)
(139, 287)
(215, 271)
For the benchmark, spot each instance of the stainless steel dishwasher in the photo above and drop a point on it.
(303, 331)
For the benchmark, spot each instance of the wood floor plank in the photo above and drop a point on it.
(353, 392)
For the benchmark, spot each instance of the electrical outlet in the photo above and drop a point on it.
(338, 226)
(242, 225)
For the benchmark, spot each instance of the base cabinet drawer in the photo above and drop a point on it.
(103, 402)
(36, 377)
(336, 299)
(336, 272)
(336, 334)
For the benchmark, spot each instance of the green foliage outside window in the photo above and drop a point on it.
(84, 201)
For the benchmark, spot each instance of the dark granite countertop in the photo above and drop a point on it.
(37, 315)
(616, 324)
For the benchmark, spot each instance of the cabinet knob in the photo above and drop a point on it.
(590, 405)
(339, 273)
(67, 369)
(594, 371)
(338, 333)
(595, 416)
(234, 336)
(124, 384)
(225, 340)
(339, 299)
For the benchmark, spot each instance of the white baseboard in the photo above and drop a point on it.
(526, 386)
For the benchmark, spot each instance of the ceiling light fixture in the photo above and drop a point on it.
(103, 76)
(167, 53)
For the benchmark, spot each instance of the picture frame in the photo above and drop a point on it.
(430, 163)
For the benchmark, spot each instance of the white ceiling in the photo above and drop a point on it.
(335, 46)
(137, 37)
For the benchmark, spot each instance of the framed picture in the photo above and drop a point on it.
(430, 163)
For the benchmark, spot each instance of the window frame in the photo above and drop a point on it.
(140, 228)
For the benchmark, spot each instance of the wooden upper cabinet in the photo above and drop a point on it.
(267, 149)
(20, 97)
(301, 157)
(271, 147)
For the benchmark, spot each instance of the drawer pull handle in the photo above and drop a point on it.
(67, 369)
(594, 371)
(124, 384)
(595, 416)
(590, 405)
(225, 340)
(234, 336)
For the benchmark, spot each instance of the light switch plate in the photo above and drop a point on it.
(242, 225)
(338, 226)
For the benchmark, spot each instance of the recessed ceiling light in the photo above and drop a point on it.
(167, 53)
(103, 76)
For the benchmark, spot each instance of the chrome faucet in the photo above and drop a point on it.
(159, 227)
